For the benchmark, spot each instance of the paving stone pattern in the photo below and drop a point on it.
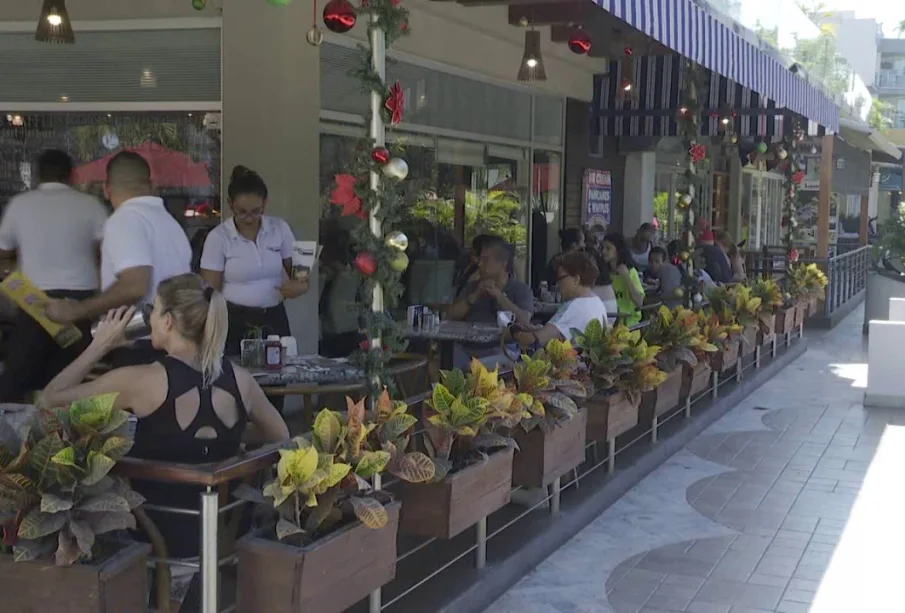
(745, 519)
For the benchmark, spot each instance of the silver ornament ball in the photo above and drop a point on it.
(397, 240)
(396, 168)
(314, 36)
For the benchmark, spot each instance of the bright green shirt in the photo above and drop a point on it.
(624, 300)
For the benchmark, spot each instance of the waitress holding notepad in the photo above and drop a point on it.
(249, 258)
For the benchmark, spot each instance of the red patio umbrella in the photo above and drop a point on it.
(168, 168)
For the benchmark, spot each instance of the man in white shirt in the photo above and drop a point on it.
(54, 233)
(143, 245)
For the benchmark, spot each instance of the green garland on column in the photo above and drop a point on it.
(380, 260)
(793, 176)
(694, 91)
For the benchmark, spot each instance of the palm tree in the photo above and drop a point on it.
(900, 29)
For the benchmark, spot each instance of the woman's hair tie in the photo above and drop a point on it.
(208, 293)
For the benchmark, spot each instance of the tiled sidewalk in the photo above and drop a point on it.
(747, 518)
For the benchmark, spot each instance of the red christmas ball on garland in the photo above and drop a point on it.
(339, 16)
(365, 263)
(579, 42)
(793, 254)
(380, 155)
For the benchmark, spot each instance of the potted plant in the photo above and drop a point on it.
(551, 440)
(770, 296)
(814, 283)
(724, 337)
(467, 436)
(682, 348)
(60, 511)
(747, 308)
(622, 366)
(334, 538)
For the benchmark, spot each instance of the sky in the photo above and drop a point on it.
(887, 12)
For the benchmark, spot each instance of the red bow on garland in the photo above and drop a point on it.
(395, 103)
(793, 254)
(698, 153)
(798, 178)
(344, 195)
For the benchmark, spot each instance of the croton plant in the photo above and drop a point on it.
(547, 385)
(619, 360)
(470, 414)
(678, 334)
(56, 494)
(322, 480)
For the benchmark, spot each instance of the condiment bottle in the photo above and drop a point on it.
(273, 353)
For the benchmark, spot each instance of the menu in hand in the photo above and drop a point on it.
(31, 299)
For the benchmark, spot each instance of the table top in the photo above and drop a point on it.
(310, 370)
(457, 331)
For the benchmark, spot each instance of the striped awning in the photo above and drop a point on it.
(652, 106)
(690, 30)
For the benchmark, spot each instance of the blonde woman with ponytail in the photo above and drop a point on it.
(192, 405)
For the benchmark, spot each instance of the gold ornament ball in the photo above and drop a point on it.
(698, 298)
(400, 262)
(397, 240)
(314, 36)
(684, 256)
(396, 168)
(687, 198)
(679, 292)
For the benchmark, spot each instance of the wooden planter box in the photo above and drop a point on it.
(662, 399)
(695, 380)
(726, 359)
(748, 341)
(812, 306)
(445, 509)
(327, 576)
(785, 320)
(766, 337)
(609, 416)
(118, 584)
(544, 457)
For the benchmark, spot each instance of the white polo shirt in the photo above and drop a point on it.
(55, 230)
(252, 270)
(141, 232)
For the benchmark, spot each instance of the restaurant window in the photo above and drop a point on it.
(183, 150)
(455, 191)
(761, 209)
(546, 212)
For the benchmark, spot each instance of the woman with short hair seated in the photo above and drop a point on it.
(576, 274)
(192, 405)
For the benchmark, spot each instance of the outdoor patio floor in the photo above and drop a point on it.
(791, 503)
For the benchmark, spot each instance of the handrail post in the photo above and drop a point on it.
(210, 506)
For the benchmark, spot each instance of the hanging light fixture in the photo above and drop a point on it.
(532, 67)
(54, 25)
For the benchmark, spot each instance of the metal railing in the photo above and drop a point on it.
(846, 275)
(891, 80)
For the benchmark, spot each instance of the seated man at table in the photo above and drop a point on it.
(668, 274)
(479, 301)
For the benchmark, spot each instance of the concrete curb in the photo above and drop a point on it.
(497, 578)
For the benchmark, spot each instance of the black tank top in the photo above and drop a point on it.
(159, 436)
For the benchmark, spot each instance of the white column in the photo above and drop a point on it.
(638, 202)
(271, 123)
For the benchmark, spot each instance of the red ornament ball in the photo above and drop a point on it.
(793, 254)
(579, 42)
(381, 155)
(366, 263)
(339, 16)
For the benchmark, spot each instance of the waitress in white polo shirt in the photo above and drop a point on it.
(249, 259)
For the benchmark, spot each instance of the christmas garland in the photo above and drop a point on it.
(793, 177)
(689, 130)
(380, 260)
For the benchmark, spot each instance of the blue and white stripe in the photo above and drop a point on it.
(690, 30)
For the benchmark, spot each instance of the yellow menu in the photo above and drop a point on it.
(31, 299)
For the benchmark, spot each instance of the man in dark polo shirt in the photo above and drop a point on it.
(496, 290)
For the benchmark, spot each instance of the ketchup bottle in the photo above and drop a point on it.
(273, 353)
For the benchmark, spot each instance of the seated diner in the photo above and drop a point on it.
(193, 405)
(497, 290)
(626, 281)
(576, 274)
